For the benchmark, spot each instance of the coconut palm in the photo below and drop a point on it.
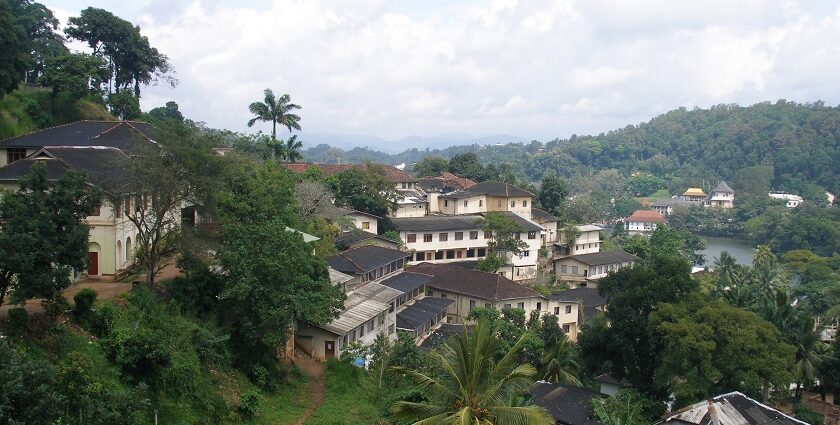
(277, 111)
(806, 339)
(560, 364)
(470, 388)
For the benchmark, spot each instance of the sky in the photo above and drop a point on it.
(534, 69)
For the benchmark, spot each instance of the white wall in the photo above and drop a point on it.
(359, 221)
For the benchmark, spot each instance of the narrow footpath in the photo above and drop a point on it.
(317, 386)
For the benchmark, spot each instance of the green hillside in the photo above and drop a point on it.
(28, 109)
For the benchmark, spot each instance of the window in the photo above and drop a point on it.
(507, 305)
(525, 254)
(459, 236)
(520, 306)
(532, 235)
(481, 252)
(381, 320)
(450, 254)
(488, 306)
(445, 203)
(370, 326)
(427, 237)
(465, 203)
(344, 341)
(474, 235)
(472, 304)
(481, 202)
(15, 154)
(539, 306)
(512, 204)
(439, 255)
(564, 268)
(442, 295)
(500, 203)
(411, 238)
(361, 331)
(353, 335)
(459, 254)
(365, 225)
(443, 237)
(568, 309)
(567, 328)
(95, 212)
(488, 235)
(556, 311)
(470, 253)
(574, 269)
(524, 203)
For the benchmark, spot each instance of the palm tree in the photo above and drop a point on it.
(291, 149)
(276, 110)
(470, 388)
(560, 364)
(806, 339)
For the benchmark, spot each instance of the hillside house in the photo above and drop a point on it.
(485, 197)
(588, 240)
(590, 300)
(354, 239)
(368, 263)
(586, 268)
(667, 206)
(362, 220)
(722, 196)
(643, 222)
(733, 408)
(549, 222)
(791, 201)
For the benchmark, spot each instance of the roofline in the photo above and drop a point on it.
(669, 416)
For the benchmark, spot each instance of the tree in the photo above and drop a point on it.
(644, 184)
(75, 75)
(43, 237)
(124, 105)
(27, 40)
(176, 172)
(561, 364)
(272, 279)
(264, 192)
(553, 193)
(275, 110)
(625, 408)
(28, 391)
(364, 189)
(315, 200)
(291, 149)
(431, 166)
(505, 234)
(168, 112)
(467, 165)
(128, 54)
(471, 388)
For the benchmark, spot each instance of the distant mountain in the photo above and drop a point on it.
(441, 141)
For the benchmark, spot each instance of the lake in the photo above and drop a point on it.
(741, 249)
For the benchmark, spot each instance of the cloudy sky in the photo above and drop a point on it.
(532, 69)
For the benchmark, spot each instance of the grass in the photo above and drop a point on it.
(285, 405)
(31, 108)
(345, 403)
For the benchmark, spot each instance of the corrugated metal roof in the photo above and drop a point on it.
(361, 305)
(337, 277)
(730, 409)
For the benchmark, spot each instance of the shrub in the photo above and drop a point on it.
(28, 392)
(249, 404)
(806, 414)
(55, 306)
(84, 303)
(101, 321)
(264, 377)
(211, 345)
(17, 321)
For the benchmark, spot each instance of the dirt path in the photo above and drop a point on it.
(317, 387)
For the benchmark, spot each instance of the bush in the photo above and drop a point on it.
(101, 321)
(17, 321)
(84, 303)
(211, 346)
(806, 414)
(55, 306)
(249, 405)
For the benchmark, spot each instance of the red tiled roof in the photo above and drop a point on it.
(646, 216)
(455, 181)
(392, 174)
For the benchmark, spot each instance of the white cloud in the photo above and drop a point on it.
(529, 68)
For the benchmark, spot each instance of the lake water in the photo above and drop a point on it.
(741, 249)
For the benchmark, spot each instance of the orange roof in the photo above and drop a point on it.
(694, 191)
(459, 182)
(392, 174)
(646, 216)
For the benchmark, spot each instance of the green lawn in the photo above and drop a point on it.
(285, 405)
(345, 402)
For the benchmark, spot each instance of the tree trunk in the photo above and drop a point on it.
(150, 277)
(798, 393)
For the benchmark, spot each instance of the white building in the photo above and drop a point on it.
(643, 222)
(722, 196)
(588, 241)
(362, 220)
(791, 201)
(589, 267)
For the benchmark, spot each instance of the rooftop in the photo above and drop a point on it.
(694, 191)
(446, 182)
(646, 216)
(99, 163)
(567, 404)
(421, 312)
(352, 237)
(541, 216)
(490, 188)
(407, 281)
(392, 174)
(589, 228)
(602, 258)
(337, 277)
(443, 333)
(115, 134)
(349, 211)
(364, 258)
(361, 305)
(488, 286)
(722, 187)
(729, 409)
(435, 223)
(667, 202)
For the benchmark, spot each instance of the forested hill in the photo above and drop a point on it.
(786, 145)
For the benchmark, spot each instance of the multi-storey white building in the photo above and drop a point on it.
(643, 222)
(588, 240)
(722, 196)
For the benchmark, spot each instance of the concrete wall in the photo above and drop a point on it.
(639, 227)
(521, 204)
(359, 221)
(409, 210)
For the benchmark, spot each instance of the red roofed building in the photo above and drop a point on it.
(643, 222)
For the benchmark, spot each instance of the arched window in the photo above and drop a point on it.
(120, 258)
(129, 250)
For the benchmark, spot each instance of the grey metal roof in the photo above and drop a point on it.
(337, 277)
(602, 258)
(487, 286)
(723, 188)
(361, 305)
(101, 164)
(118, 134)
(489, 188)
(670, 202)
(589, 228)
(567, 404)
(732, 408)
(435, 223)
(364, 258)
(407, 281)
(589, 298)
(422, 311)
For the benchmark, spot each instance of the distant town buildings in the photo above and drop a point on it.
(722, 196)
(643, 222)
(791, 201)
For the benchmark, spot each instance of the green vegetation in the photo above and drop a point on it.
(344, 403)
(29, 109)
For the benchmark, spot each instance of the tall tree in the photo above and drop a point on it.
(431, 166)
(561, 364)
(74, 75)
(291, 149)
(275, 110)
(364, 188)
(471, 387)
(43, 236)
(553, 193)
(27, 40)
